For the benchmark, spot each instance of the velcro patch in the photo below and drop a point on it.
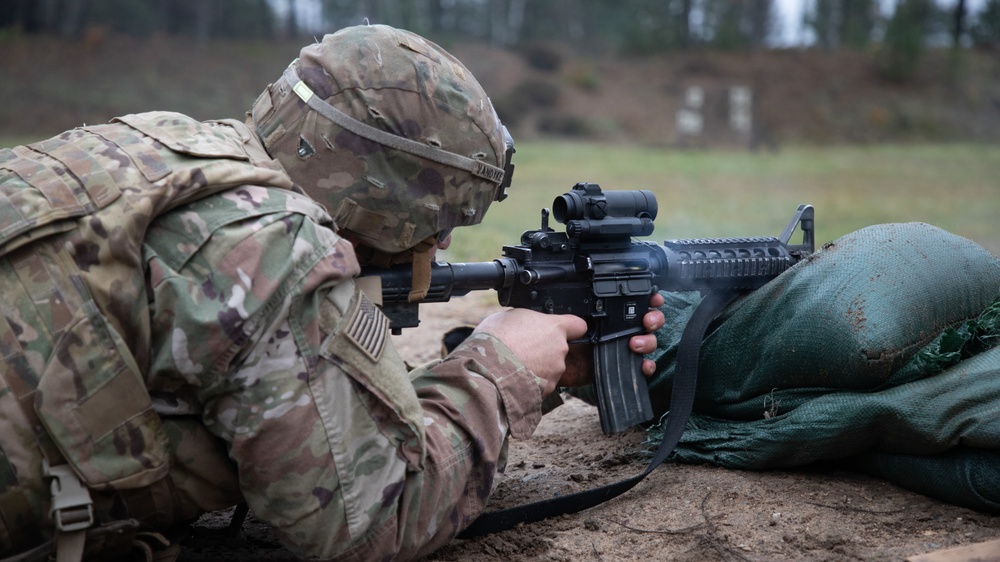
(368, 329)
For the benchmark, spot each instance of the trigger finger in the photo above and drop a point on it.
(575, 327)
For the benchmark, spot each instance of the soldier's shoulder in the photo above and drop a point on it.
(184, 134)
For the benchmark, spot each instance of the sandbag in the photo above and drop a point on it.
(878, 348)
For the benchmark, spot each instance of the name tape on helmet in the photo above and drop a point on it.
(487, 172)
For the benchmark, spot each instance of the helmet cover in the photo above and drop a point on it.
(435, 159)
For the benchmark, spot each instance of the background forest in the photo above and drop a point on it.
(676, 72)
(626, 25)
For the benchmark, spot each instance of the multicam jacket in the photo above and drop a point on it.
(181, 328)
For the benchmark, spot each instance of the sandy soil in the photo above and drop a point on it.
(679, 512)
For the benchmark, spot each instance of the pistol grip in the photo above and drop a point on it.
(622, 390)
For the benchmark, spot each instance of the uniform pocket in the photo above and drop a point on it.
(93, 403)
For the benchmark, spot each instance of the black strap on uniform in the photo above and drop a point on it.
(681, 404)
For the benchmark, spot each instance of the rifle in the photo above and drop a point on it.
(596, 271)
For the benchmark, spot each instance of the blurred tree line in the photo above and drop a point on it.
(637, 26)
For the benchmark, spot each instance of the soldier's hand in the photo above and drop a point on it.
(540, 341)
(646, 343)
(579, 362)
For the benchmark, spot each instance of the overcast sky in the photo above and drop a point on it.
(790, 15)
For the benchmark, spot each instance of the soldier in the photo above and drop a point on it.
(182, 332)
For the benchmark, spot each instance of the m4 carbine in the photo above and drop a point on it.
(597, 271)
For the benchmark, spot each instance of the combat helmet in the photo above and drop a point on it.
(392, 134)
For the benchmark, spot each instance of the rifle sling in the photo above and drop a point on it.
(681, 404)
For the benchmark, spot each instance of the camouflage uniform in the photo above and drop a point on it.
(182, 329)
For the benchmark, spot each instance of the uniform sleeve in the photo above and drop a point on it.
(345, 455)
(262, 331)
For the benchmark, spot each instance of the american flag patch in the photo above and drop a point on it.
(368, 329)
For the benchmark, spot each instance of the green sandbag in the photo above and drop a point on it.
(846, 318)
(879, 344)
(960, 405)
(963, 475)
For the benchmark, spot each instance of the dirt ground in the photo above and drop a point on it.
(679, 512)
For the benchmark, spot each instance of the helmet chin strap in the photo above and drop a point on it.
(418, 255)
(421, 269)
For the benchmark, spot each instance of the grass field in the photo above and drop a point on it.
(735, 193)
(718, 193)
